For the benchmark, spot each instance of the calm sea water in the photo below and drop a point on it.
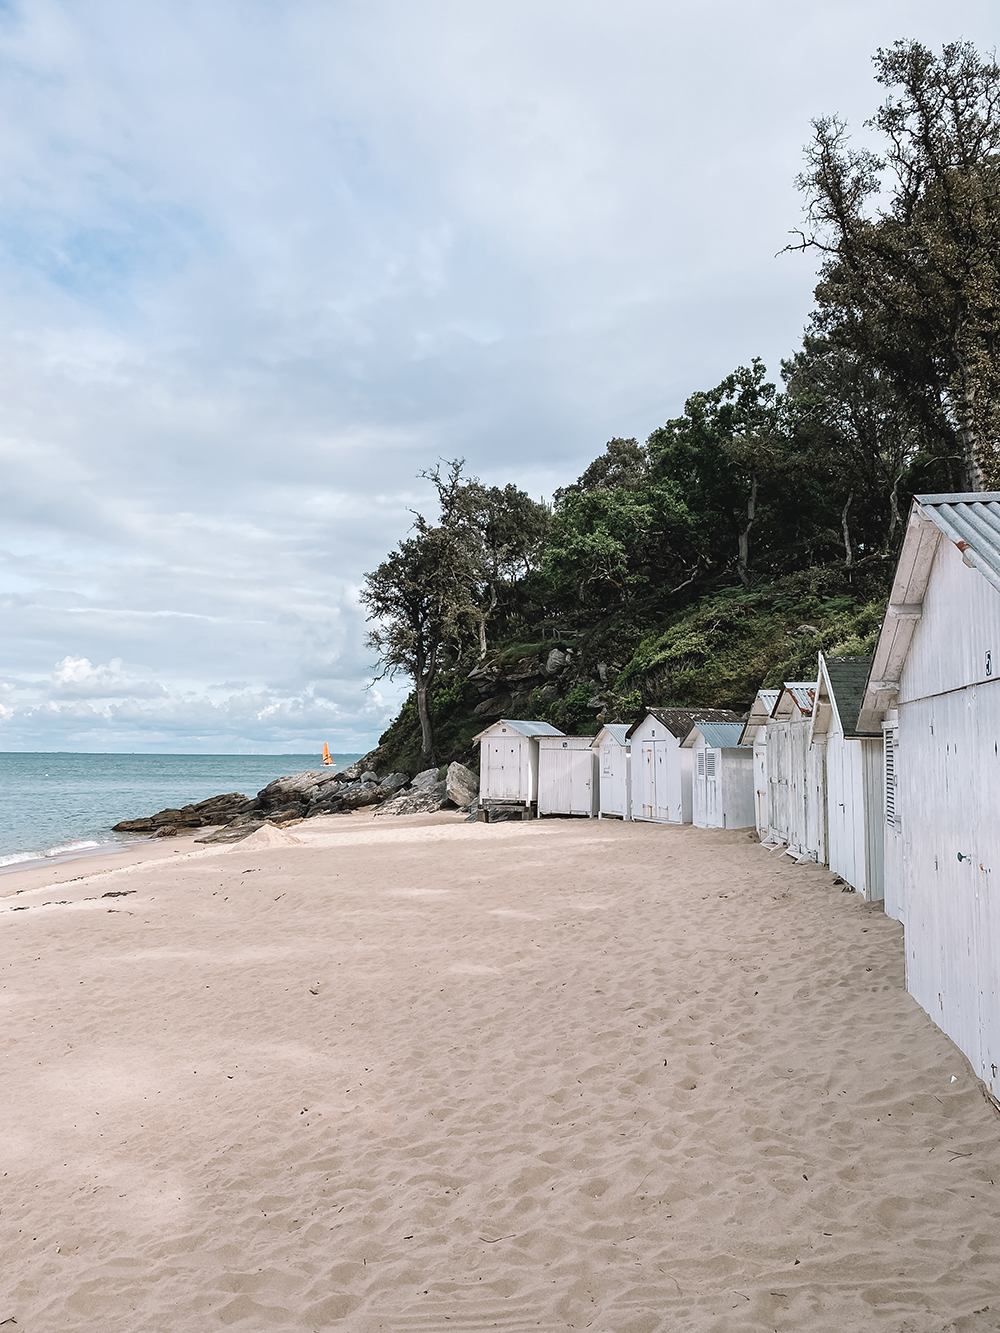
(59, 805)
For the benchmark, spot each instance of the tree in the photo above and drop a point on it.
(719, 453)
(418, 596)
(911, 279)
(501, 531)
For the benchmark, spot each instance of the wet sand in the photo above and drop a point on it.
(435, 1075)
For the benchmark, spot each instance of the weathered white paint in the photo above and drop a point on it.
(721, 782)
(942, 820)
(661, 775)
(755, 735)
(796, 771)
(855, 808)
(567, 776)
(614, 764)
(508, 761)
(947, 783)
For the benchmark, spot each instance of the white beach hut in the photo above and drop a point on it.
(661, 769)
(567, 776)
(934, 692)
(854, 782)
(754, 734)
(721, 776)
(508, 764)
(614, 770)
(796, 774)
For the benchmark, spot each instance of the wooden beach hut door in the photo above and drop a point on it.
(503, 767)
(654, 760)
(761, 801)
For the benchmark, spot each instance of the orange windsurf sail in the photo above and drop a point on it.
(326, 754)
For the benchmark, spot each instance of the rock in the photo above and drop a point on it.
(167, 831)
(423, 801)
(428, 778)
(491, 707)
(555, 662)
(366, 793)
(393, 783)
(370, 777)
(367, 763)
(214, 810)
(461, 785)
(233, 832)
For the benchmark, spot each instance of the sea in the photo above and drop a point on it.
(54, 807)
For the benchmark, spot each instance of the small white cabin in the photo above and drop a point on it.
(721, 776)
(661, 768)
(754, 734)
(934, 690)
(508, 762)
(614, 769)
(567, 776)
(796, 774)
(854, 783)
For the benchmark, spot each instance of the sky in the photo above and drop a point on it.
(264, 261)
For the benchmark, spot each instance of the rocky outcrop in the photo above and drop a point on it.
(461, 785)
(420, 801)
(214, 810)
(299, 796)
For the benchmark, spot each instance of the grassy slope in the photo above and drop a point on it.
(716, 652)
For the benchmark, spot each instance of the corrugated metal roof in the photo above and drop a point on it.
(848, 677)
(525, 728)
(679, 721)
(973, 524)
(801, 692)
(617, 730)
(761, 710)
(720, 735)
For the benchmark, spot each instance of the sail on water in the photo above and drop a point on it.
(327, 759)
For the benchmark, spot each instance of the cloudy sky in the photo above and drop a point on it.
(262, 261)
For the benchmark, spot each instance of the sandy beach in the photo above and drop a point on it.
(428, 1075)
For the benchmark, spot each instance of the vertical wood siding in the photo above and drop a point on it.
(964, 613)
(948, 778)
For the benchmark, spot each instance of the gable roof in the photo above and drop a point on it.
(972, 522)
(618, 731)
(717, 735)
(801, 693)
(525, 728)
(763, 706)
(841, 691)
(679, 721)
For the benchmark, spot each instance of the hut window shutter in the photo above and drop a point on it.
(701, 763)
(890, 777)
(709, 763)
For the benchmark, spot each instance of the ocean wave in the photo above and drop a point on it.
(64, 850)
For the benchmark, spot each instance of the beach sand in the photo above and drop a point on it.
(437, 1075)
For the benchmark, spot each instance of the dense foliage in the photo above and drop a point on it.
(763, 522)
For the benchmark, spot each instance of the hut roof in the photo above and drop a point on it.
(763, 707)
(972, 522)
(718, 735)
(525, 728)
(800, 692)
(847, 677)
(618, 731)
(679, 721)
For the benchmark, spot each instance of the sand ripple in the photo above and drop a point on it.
(448, 1076)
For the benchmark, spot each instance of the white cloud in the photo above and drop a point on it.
(260, 264)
